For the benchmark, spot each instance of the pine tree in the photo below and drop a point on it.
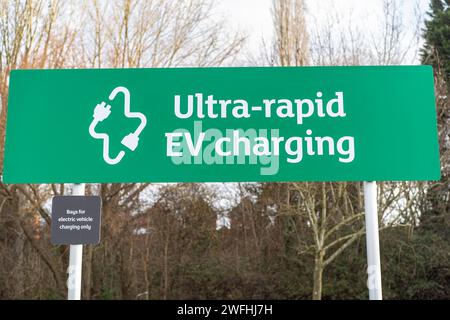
(436, 50)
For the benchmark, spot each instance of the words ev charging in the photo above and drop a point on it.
(255, 145)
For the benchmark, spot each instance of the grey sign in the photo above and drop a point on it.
(76, 219)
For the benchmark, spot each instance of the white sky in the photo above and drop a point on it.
(254, 16)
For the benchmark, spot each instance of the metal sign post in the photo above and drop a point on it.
(75, 258)
(372, 241)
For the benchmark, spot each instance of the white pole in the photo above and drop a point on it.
(75, 258)
(372, 241)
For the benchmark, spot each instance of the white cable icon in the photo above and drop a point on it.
(102, 111)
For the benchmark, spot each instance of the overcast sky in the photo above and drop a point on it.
(254, 16)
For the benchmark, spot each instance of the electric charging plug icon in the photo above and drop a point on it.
(102, 111)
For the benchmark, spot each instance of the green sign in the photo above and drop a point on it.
(221, 124)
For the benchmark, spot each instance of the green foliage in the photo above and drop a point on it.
(107, 294)
(49, 294)
(414, 266)
(417, 266)
(436, 50)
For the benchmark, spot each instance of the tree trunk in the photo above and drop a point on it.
(318, 271)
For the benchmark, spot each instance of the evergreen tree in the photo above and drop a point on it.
(436, 50)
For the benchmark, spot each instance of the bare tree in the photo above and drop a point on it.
(127, 33)
(332, 213)
(291, 42)
(156, 33)
(31, 36)
(339, 40)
